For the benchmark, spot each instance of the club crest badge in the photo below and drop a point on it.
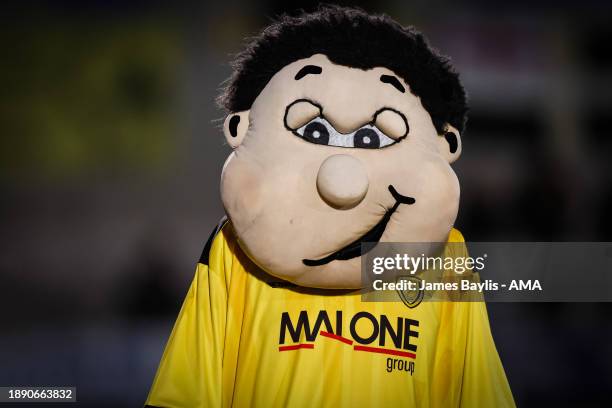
(411, 298)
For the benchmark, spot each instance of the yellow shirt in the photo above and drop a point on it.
(244, 339)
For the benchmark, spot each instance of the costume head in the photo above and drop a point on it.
(343, 125)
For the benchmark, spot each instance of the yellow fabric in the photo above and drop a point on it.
(224, 348)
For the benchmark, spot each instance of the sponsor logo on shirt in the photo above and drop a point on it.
(363, 331)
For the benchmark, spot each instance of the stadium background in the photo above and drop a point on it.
(111, 153)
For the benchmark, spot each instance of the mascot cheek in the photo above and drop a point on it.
(443, 197)
(241, 191)
(436, 189)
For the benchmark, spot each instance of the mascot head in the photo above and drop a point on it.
(343, 125)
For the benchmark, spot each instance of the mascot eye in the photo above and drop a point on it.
(370, 137)
(316, 132)
(320, 131)
(366, 138)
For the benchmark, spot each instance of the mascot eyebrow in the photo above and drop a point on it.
(393, 81)
(308, 69)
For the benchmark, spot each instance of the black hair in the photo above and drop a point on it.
(353, 38)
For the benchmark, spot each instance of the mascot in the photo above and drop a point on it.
(343, 127)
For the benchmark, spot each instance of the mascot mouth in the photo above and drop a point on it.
(371, 237)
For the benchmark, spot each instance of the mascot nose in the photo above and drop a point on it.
(342, 181)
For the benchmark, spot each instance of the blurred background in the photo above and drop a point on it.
(111, 154)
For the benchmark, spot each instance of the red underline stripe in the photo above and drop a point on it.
(336, 337)
(295, 347)
(385, 351)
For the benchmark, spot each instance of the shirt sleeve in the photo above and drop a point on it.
(190, 371)
(483, 380)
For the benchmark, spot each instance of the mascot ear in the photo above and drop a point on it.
(449, 143)
(235, 127)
